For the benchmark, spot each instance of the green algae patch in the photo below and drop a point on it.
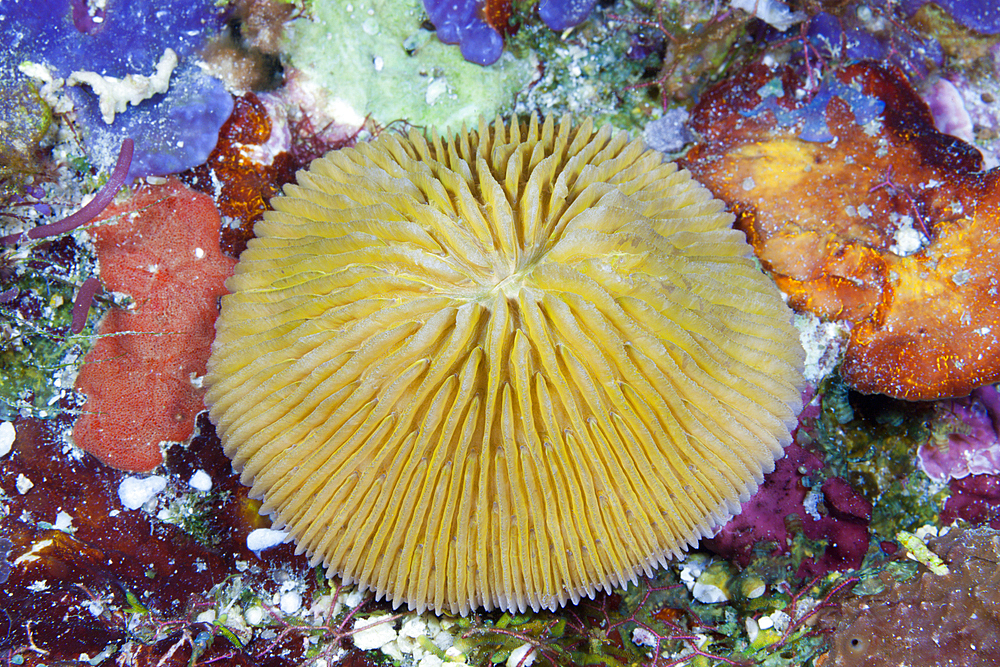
(587, 73)
(871, 442)
(372, 58)
(38, 357)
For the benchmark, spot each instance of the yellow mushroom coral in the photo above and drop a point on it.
(502, 371)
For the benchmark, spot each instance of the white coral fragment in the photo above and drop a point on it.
(116, 94)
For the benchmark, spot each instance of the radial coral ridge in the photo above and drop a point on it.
(502, 371)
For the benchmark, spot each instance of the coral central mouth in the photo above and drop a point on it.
(511, 285)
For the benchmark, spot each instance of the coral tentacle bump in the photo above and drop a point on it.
(505, 370)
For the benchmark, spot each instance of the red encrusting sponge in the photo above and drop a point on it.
(142, 378)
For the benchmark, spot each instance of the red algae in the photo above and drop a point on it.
(162, 248)
(777, 514)
(256, 155)
(126, 578)
(244, 185)
(862, 211)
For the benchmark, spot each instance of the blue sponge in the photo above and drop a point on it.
(173, 131)
(460, 22)
(562, 14)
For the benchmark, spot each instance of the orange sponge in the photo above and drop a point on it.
(862, 211)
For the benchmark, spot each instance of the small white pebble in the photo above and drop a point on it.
(353, 598)
(23, 484)
(522, 656)
(430, 660)
(708, 593)
(64, 522)
(206, 616)
(291, 602)
(199, 253)
(781, 620)
(201, 481)
(413, 627)
(134, 492)
(373, 633)
(7, 435)
(765, 623)
(254, 615)
(264, 538)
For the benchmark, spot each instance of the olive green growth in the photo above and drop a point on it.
(24, 120)
(871, 442)
(38, 356)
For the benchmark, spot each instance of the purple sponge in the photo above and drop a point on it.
(460, 22)
(562, 14)
(173, 131)
(980, 15)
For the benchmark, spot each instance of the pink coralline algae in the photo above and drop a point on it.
(784, 506)
(975, 499)
(141, 379)
(965, 438)
(950, 114)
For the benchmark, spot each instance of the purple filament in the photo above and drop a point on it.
(9, 295)
(104, 197)
(84, 300)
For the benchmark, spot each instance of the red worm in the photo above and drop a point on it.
(81, 305)
(104, 197)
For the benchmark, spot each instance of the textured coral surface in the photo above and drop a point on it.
(162, 248)
(863, 211)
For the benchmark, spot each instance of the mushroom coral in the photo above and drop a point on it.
(505, 370)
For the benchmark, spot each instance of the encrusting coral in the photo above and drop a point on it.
(950, 619)
(505, 370)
